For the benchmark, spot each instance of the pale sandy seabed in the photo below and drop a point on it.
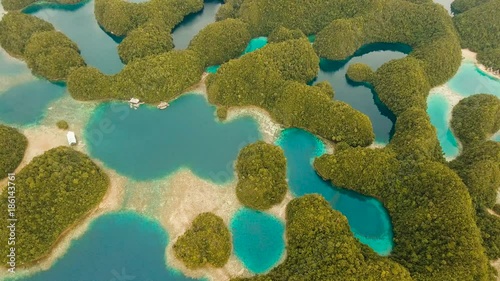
(174, 201)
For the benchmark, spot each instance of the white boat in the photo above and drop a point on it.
(163, 105)
(71, 138)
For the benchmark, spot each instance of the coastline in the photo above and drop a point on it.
(470, 56)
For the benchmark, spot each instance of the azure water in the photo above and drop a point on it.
(117, 247)
(439, 111)
(26, 104)
(79, 24)
(148, 143)
(368, 219)
(258, 239)
(471, 80)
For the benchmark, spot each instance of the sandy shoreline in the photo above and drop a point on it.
(470, 56)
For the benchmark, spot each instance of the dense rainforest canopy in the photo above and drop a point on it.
(477, 22)
(320, 246)
(261, 169)
(13, 144)
(206, 243)
(53, 192)
(48, 53)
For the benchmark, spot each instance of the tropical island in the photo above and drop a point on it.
(444, 214)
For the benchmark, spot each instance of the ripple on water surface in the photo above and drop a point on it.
(79, 23)
(439, 112)
(258, 239)
(368, 219)
(471, 80)
(149, 143)
(27, 103)
(118, 246)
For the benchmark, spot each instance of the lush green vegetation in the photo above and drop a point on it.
(229, 9)
(360, 72)
(62, 124)
(53, 192)
(490, 230)
(281, 34)
(435, 232)
(221, 41)
(206, 243)
(402, 84)
(263, 78)
(261, 169)
(13, 144)
(476, 118)
(13, 5)
(460, 6)
(147, 40)
(320, 246)
(16, 30)
(496, 209)
(479, 27)
(52, 55)
(48, 53)
(147, 25)
(427, 28)
(222, 113)
(152, 79)
(479, 168)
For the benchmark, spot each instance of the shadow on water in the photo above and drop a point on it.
(361, 96)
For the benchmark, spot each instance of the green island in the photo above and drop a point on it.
(261, 169)
(48, 53)
(13, 144)
(444, 214)
(53, 193)
(477, 23)
(206, 243)
(321, 247)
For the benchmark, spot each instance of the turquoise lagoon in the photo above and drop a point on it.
(14, 108)
(439, 111)
(368, 219)
(148, 143)
(10, 66)
(471, 80)
(258, 239)
(118, 247)
(78, 23)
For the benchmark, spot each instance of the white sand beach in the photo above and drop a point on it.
(469, 55)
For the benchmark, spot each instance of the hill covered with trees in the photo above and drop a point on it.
(53, 192)
(13, 144)
(206, 243)
(261, 169)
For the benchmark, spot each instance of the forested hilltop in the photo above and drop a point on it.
(53, 192)
(13, 144)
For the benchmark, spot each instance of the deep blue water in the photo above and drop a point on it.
(26, 104)
(117, 247)
(368, 219)
(192, 24)
(79, 24)
(471, 80)
(258, 239)
(359, 96)
(439, 111)
(148, 143)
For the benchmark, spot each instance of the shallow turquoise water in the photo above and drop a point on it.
(358, 95)
(79, 24)
(253, 45)
(149, 143)
(258, 239)
(10, 66)
(117, 247)
(192, 24)
(470, 80)
(439, 109)
(368, 219)
(26, 104)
